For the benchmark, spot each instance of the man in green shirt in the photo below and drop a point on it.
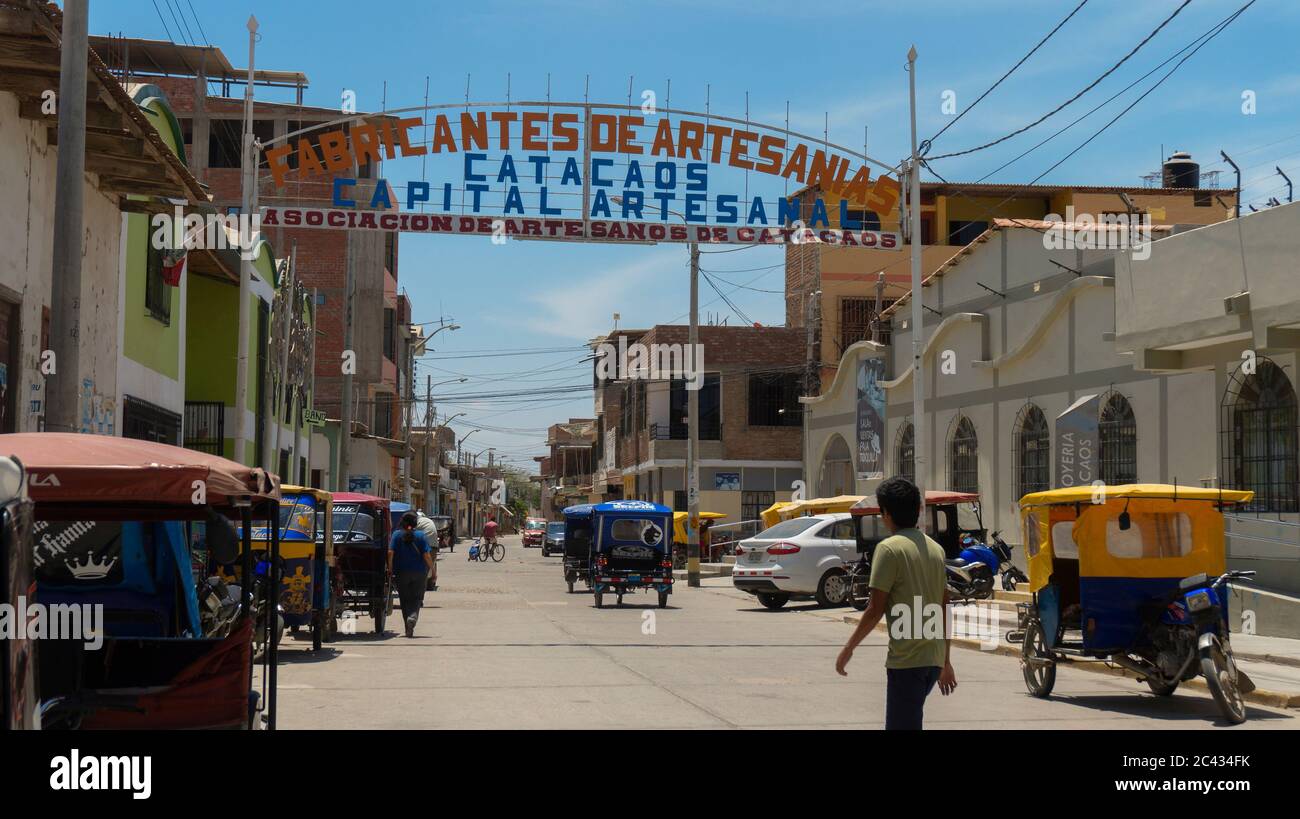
(908, 587)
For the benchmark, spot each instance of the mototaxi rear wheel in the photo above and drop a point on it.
(1036, 663)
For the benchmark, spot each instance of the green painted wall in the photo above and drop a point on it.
(211, 324)
(146, 340)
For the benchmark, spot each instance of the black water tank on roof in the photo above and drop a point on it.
(1179, 171)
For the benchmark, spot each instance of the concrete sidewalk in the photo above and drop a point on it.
(1273, 663)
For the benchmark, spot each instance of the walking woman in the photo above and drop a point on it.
(410, 560)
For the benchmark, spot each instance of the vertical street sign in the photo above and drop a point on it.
(1077, 453)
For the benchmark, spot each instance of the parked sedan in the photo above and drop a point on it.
(553, 542)
(798, 559)
(534, 532)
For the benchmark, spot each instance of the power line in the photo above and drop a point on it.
(184, 32)
(1208, 32)
(1085, 90)
(198, 23)
(925, 145)
(163, 21)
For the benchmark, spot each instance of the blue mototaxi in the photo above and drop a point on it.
(631, 548)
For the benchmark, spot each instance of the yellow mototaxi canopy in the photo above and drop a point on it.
(1157, 548)
(1090, 494)
(679, 523)
(784, 510)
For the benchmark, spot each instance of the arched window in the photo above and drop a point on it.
(1260, 421)
(1117, 441)
(905, 456)
(1033, 444)
(963, 457)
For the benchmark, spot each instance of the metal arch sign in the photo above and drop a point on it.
(581, 172)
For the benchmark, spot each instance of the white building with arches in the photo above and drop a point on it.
(1192, 351)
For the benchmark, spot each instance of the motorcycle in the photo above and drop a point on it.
(859, 578)
(1189, 638)
(1010, 574)
(970, 576)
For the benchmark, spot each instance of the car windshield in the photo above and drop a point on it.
(556, 528)
(789, 528)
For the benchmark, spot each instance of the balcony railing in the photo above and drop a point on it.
(679, 432)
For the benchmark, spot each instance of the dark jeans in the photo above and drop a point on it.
(410, 590)
(905, 696)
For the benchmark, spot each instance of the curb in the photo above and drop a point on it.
(1260, 696)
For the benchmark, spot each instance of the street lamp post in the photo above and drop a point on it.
(918, 336)
(410, 405)
(428, 433)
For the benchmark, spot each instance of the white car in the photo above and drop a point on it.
(798, 558)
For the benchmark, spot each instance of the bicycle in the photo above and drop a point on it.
(482, 552)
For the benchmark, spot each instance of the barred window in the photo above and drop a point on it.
(1259, 417)
(858, 319)
(1117, 441)
(905, 458)
(963, 457)
(752, 504)
(1032, 442)
(157, 295)
(774, 400)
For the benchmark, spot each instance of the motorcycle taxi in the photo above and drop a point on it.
(1134, 576)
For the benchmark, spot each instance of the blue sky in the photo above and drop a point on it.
(837, 65)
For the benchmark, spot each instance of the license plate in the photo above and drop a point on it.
(755, 557)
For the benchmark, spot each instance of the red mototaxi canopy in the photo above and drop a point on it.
(68, 468)
(868, 506)
(358, 497)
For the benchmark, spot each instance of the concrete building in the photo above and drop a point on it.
(749, 423)
(565, 475)
(205, 92)
(1167, 359)
(830, 291)
(132, 170)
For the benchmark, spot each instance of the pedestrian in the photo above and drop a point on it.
(410, 560)
(909, 587)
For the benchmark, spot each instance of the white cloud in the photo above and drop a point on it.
(582, 308)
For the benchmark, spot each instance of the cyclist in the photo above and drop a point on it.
(490, 531)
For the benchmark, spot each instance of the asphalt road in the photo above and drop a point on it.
(503, 645)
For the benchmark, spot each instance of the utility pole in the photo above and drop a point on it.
(345, 423)
(311, 381)
(61, 401)
(1237, 209)
(249, 195)
(880, 306)
(409, 407)
(286, 334)
(693, 433)
(918, 335)
(428, 431)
